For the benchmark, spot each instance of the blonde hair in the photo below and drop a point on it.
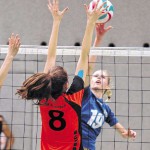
(108, 92)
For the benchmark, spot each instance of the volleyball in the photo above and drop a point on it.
(110, 8)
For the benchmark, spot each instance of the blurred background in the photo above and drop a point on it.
(32, 20)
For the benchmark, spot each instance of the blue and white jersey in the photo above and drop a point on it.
(94, 114)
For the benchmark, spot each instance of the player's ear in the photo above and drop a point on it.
(65, 87)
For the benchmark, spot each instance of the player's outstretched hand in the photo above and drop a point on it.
(54, 9)
(96, 13)
(129, 134)
(101, 30)
(14, 44)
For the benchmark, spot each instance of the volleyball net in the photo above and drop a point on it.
(130, 75)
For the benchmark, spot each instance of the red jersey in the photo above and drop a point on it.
(61, 119)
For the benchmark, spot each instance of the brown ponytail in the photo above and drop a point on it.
(44, 86)
(37, 87)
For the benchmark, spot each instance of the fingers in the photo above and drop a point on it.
(108, 28)
(100, 27)
(18, 41)
(65, 10)
(104, 9)
(96, 6)
(54, 9)
(11, 38)
(102, 6)
(54, 6)
(86, 7)
(49, 5)
(97, 10)
(14, 44)
(14, 40)
(55, 2)
(131, 134)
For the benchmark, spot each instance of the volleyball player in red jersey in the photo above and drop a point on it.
(60, 110)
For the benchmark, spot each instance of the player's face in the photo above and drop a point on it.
(99, 80)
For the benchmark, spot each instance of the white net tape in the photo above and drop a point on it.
(71, 50)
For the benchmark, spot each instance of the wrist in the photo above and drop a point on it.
(90, 23)
(97, 42)
(56, 21)
(98, 38)
(9, 56)
(56, 25)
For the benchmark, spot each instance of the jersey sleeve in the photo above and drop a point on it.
(77, 85)
(86, 93)
(111, 119)
(76, 90)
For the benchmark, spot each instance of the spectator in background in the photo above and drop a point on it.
(6, 136)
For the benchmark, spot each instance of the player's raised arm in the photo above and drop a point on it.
(92, 17)
(14, 44)
(57, 17)
(100, 32)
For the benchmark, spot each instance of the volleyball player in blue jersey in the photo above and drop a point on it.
(95, 112)
(14, 44)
